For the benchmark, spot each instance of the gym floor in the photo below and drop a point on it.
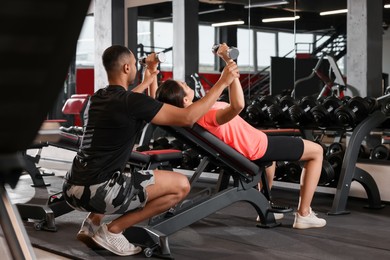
(227, 234)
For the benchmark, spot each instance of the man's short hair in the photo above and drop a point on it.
(112, 55)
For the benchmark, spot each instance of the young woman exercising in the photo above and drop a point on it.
(224, 122)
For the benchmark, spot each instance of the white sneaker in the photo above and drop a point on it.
(116, 243)
(277, 216)
(309, 221)
(86, 233)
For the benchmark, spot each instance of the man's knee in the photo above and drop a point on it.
(184, 186)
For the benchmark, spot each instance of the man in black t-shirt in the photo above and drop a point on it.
(98, 181)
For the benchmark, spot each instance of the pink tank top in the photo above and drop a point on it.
(237, 133)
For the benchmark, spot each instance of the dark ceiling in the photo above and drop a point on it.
(308, 10)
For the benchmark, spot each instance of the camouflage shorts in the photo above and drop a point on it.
(124, 192)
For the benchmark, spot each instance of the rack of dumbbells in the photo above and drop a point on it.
(328, 122)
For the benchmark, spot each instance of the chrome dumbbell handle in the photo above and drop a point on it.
(232, 52)
(159, 57)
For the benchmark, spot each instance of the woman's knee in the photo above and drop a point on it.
(312, 150)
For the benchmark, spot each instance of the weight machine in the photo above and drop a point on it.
(334, 83)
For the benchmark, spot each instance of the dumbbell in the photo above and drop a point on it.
(385, 102)
(293, 171)
(191, 159)
(161, 143)
(278, 113)
(232, 52)
(159, 57)
(257, 111)
(143, 148)
(331, 168)
(300, 113)
(327, 174)
(334, 148)
(177, 144)
(280, 171)
(345, 99)
(323, 114)
(379, 152)
(356, 109)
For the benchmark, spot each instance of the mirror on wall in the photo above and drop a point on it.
(276, 40)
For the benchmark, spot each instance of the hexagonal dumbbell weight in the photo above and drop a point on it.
(355, 111)
(278, 113)
(300, 113)
(323, 114)
(256, 112)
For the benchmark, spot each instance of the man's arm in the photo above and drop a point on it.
(171, 115)
(149, 80)
(149, 83)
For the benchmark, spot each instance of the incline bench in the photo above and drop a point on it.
(69, 137)
(244, 172)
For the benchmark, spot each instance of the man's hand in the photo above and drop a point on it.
(151, 62)
(149, 76)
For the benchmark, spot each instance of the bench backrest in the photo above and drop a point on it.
(208, 144)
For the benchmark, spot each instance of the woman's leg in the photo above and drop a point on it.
(270, 174)
(311, 172)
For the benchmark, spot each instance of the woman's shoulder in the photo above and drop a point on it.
(219, 105)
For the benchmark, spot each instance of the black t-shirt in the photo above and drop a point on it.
(114, 118)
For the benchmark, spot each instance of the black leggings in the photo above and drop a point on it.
(283, 148)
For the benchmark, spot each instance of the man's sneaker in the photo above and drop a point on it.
(309, 221)
(86, 233)
(277, 216)
(116, 243)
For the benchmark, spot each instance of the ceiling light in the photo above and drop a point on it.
(340, 11)
(268, 3)
(280, 19)
(212, 11)
(227, 23)
(387, 6)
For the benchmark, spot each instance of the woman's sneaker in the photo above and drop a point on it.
(116, 243)
(277, 216)
(309, 221)
(86, 232)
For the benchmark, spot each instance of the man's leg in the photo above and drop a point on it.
(169, 189)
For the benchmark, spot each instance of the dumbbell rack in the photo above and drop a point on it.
(349, 171)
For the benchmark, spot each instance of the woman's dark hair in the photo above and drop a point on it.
(112, 55)
(171, 92)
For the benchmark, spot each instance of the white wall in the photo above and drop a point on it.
(103, 39)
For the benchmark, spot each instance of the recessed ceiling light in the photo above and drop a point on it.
(227, 23)
(268, 3)
(340, 11)
(280, 19)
